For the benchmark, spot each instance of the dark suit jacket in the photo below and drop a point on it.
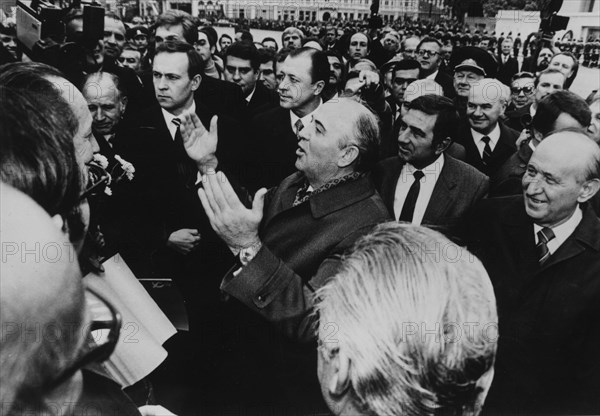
(507, 70)
(507, 179)
(447, 84)
(302, 246)
(274, 146)
(222, 97)
(504, 148)
(549, 316)
(456, 191)
(164, 198)
(262, 100)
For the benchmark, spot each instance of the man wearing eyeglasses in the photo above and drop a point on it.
(429, 57)
(546, 82)
(557, 111)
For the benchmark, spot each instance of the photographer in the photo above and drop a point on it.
(557, 111)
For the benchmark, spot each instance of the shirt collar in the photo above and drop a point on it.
(434, 168)
(249, 97)
(169, 117)
(432, 76)
(564, 230)
(494, 135)
(307, 119)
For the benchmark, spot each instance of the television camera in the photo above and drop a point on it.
(42, 34)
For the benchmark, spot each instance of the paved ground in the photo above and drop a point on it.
(587, 80)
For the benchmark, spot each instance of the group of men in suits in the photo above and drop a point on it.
(244, 271)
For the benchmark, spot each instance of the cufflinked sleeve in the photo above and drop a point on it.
(272, 289)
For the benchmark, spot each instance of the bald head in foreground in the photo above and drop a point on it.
(42, 309)
(394, 334)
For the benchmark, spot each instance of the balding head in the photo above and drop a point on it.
(487, 101)
(41, 303)
(418, 89)
(563, 171)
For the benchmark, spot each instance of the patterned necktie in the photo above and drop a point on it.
(487, 151)
(299, 126)
(408, 209)
(544, 236)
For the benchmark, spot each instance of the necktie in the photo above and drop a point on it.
(487, 151)
(299, 126)
(408, 209)
(186, 169)
(544, 236)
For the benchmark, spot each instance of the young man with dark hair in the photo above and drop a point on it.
(449, 187)
(242, 67)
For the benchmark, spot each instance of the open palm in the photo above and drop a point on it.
(200, 144)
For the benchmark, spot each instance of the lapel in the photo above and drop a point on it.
(473, 156)
(443, 192)
(392, 168)
(519, 230)
(321, 204)
(586, 235)
(341, 196)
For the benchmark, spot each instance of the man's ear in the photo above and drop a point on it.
(349, 156)
(588, 190)
(196, 82)
(319, 86)
(339, 382)
(443, 145)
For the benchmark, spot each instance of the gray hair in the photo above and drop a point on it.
(402, 304)
(367, 134)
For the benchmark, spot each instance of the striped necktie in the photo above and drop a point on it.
(487, 151)
(544, 236)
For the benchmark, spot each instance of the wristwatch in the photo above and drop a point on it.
(248, 253)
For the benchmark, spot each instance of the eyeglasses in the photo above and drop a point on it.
(140, 37)
(424, 52)
(527, 90)
(99, 344)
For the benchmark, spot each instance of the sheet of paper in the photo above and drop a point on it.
(145, 327)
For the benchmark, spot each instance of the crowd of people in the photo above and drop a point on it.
(399, 221)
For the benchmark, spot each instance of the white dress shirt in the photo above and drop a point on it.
(173, 127)
(306, 120)
(405, 181)
(561, 232)
(494, 136)
(249, 97)
(433, 75)
(169, 118)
